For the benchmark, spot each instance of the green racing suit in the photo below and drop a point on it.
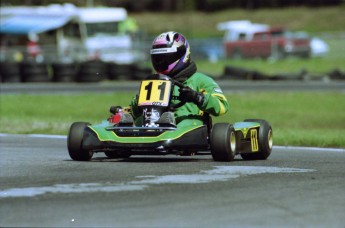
(215, 103)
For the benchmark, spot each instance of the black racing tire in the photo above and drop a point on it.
(238, 73)
(121, 72)
(118, 154)
(34, 72)
(141, 72)
(223, 142)
(10, 72)
(265, 141)
(64, 72)
(92, 71)
(75, 140)
(337, 74)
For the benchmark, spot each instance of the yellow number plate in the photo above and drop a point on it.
(154, 92)
(254, 140)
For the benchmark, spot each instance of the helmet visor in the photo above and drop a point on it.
(161, 62)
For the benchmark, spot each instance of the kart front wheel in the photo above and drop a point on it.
(223, 142)
(265, 141)
(75, 140)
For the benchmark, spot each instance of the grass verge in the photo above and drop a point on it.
(297, 118)
(195, 24)
(317, 65)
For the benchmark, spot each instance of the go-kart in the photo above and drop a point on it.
(158, 134)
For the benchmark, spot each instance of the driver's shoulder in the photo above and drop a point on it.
(200, 78)
(201, 81)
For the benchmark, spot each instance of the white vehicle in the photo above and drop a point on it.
(319, 48)
(80, 33)
(241, 29)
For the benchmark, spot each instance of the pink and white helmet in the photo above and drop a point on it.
(170, 53)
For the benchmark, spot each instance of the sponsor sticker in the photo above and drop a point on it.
(163, 50)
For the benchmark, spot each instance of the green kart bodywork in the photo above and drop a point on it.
(104, 134)
(139, 139)
(158, 134)
(180, 140)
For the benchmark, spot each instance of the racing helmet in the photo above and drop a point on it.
(170, 53)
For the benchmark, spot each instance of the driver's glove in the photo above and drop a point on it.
(189, 95)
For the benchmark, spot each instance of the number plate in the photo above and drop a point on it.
(154, 92)
(254, 140)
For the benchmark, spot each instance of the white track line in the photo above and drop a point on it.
(218, 173)
(310, 148)
(35, 136)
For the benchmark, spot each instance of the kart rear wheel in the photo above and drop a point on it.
(223, 142)
(265, 141)
(118, 154)
(75, 140)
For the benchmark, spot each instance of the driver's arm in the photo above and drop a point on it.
(204, 92)
(215, 102)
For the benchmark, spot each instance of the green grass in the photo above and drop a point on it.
(303, 119)
(51, 114)
(298, 118)
(199, 24)
(320, 65)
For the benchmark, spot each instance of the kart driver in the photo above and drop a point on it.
(170, 55)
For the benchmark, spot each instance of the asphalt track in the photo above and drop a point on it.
(41, 186)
